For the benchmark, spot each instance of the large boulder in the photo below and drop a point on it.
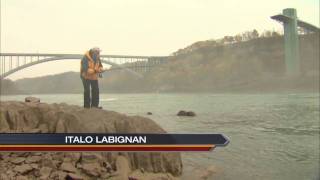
(63, 118)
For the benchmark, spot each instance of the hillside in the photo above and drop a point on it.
(246, 63)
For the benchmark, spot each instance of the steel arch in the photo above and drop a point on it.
(70, 57)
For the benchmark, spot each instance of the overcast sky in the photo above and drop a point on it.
(131, 27)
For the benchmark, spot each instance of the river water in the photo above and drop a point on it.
(272, 136)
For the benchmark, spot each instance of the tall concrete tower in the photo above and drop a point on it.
(291, 45)
(291, 39)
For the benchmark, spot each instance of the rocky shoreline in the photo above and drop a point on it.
(36, 117)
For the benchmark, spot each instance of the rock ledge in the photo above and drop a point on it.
(62, 118)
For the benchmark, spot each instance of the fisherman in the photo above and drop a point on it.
(91, 69)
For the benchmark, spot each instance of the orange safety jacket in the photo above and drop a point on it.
(93, 68)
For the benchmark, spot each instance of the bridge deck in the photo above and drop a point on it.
(303, 24)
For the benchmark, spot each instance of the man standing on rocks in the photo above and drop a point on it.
(90, 70)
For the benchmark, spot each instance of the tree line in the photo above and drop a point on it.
(241, 37)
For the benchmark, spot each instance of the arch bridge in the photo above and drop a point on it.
(13, 62)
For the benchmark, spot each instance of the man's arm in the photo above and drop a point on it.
(84, 65)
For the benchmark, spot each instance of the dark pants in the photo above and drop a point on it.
(93, 100)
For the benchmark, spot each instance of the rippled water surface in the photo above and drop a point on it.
(273, 136)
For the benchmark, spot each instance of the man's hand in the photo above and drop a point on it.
(90, 71)
(99, 70)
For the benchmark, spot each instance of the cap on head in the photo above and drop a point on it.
(95, 49)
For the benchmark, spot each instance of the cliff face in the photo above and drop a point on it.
(59, 118)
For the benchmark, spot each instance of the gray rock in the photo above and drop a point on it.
(23, 169)
(45, 172)
(123, 167)
(56, 164)
(21, 178)
(58, 175)
(59, 156)
(105, 176)
(142, 170)
(10, 173)
(32, 99)
(17, 160)
(186, 113)
(68, 167)
(3, 176)
(55, 175)
(21, 154)
(47, 162)
(107, 166)
(33, 159)
(34, 166)
(90, 157)
(33, 130)
(74, 176)
(36, 153)
(92, 169)
(44, 128)
(73, 158)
